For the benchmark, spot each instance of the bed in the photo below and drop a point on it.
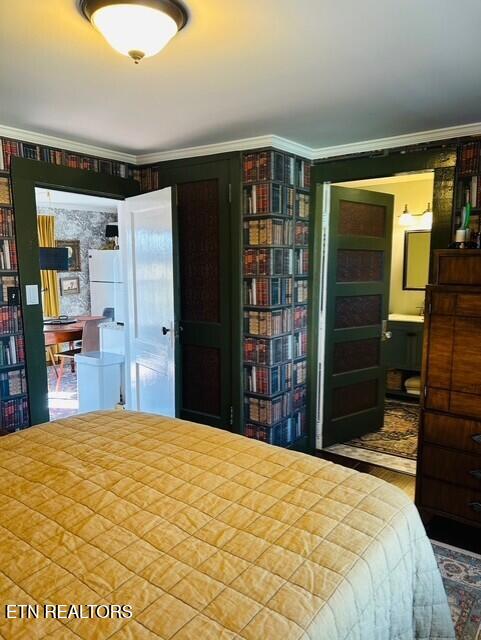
(205, 535)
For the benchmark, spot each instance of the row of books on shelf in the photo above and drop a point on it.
(265, 351)
(267, 231)
(268, 262)
(468, 190)
(299, 398)
(302, 233)
(12, 350)
(299, 373)
(269, 198)
(282, 434)
(272, 379)
(268, 411)
(7, 283)
(6, 222)
(290, 201)
(300, 317)
(268, 323)
(263, 198)
(8, 255)
(267, 292)
(300, 343)
(14, 413)
(5, 193)
(275, 262)
(303, 203)
(268, 380)
(149, 179)
(271, 324)
(12, 383)
(261, 166)
(10, 320)
(302, 261)
(301, 291)
(468, 158)
(32, 151)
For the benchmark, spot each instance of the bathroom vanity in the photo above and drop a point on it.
(403, 351)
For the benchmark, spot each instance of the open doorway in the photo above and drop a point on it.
(391, 270)
(81, 287)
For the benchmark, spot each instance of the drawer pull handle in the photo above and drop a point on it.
(477, 438)
(476, 473)
(475, 506)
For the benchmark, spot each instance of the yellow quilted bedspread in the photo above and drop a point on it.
(202, 535)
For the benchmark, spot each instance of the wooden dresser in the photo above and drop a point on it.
(449, 459)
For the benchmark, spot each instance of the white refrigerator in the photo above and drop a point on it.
(106, 286)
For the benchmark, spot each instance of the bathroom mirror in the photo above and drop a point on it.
(417, 247)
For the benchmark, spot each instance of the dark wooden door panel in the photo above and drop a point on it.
(204, 314)
(199, 251)
(357, 304)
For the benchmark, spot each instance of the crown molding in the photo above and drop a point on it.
(404, 140)
(68, 145)
(241, 144)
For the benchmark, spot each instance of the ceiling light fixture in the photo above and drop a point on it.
(135, 28)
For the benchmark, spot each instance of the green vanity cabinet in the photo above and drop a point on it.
(404, 349)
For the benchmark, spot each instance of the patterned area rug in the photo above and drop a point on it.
(399, 435)
(461, 573)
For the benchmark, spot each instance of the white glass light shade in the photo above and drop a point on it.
(406, 218)
(134, 30)
(427, 219)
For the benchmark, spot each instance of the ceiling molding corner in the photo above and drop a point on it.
(403, 140)
(242, 144)
(69, 145)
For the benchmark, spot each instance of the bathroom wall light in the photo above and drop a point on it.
(135, 28)
(428, 217)
(406, 218)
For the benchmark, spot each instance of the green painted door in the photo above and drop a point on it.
(356, 311)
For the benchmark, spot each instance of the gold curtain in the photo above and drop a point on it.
(49, 280)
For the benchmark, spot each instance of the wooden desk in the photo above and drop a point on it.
(59, 333)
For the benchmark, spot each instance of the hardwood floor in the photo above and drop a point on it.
(402, 480)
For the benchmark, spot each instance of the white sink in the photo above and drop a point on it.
(404, 317)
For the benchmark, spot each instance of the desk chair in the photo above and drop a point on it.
(90, 342)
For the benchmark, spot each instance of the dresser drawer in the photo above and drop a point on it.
(449, 431)
(451, 500)
(444, 464)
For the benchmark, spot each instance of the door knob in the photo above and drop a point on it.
(165, 331)
(385, 334)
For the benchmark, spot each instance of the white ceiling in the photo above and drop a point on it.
(319, 72)
(69, 200)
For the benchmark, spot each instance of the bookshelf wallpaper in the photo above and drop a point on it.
(275, 208)
(14, 414)
(468, 190)
(276, 231)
